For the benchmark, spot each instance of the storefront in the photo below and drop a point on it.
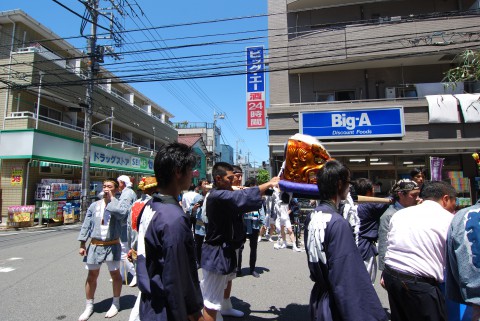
(384, 141)
(30, 158)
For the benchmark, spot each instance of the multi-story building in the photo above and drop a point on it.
(226, 153)
(210, 134)
(42, 124)
(365, 77)
(200, 149)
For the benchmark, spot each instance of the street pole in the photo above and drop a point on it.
(38, 99)
(153, 128)
(87, 131)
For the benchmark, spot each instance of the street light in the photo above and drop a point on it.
(103, 120)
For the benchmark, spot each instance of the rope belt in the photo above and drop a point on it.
(104, 243)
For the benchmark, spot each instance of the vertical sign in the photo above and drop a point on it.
(436, 165)
(255, 88)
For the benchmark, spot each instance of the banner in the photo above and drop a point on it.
(436, 165)
(255, 88)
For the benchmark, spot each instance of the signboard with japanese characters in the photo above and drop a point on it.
(255, 88)
(106, 157)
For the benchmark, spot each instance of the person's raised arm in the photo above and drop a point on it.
(270, 184)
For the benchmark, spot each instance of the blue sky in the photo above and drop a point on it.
(192, 100)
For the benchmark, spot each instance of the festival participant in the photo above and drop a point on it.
(418, 175)
(415, 257)
(104, 229)
(405, 194)
(283, 209)
(187, 202)
(238, 176)
(124, 206)
(343, 289)
(147, 185)
(196, 209)
(224, 209)
(270, 217)
(166, 268)
(463, 259)
(253, 221)
(368, 221)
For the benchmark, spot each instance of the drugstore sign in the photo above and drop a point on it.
(107, 157)
(348, 124)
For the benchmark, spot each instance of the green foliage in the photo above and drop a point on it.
(262, 176)
(468, 70)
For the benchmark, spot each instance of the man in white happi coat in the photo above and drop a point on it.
(103, 228)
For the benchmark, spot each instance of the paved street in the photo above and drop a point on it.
(42, 278)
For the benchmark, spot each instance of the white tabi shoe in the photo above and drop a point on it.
(88, 310)
(228, 310)
(86, 314)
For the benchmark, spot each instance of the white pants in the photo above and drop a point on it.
(371, 266)
(126, 264)
(213, 286)
(135, 313)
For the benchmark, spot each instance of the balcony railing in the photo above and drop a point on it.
(399, 37)
(62, 62)
(95, 134)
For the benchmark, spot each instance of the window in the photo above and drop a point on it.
(345, 95)
(50, 112)
(319, 97)
(68, 171)
(50, 170)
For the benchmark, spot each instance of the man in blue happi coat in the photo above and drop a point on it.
(343, 289)
(166, 268)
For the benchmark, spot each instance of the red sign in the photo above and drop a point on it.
(256, 114)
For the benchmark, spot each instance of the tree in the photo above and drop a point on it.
(468, 70)
(262, 176)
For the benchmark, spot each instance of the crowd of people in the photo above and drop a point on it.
(160, 241)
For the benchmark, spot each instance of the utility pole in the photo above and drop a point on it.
(91, 6)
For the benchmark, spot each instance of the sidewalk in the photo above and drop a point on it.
(4, 227)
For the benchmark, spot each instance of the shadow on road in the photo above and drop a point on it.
(259, 270)
(126, 303)
(292, 312)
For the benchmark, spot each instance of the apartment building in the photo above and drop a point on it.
(366, 78)
(42, 87)
(210, 133)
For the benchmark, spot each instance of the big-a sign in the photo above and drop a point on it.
(348, 124)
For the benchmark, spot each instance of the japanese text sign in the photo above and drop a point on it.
(255, 88)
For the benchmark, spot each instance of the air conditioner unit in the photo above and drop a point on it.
(390, 92)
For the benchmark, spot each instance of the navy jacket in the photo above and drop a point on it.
(343, 289)
(225, 230)
(167, 275)
(369, 215)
